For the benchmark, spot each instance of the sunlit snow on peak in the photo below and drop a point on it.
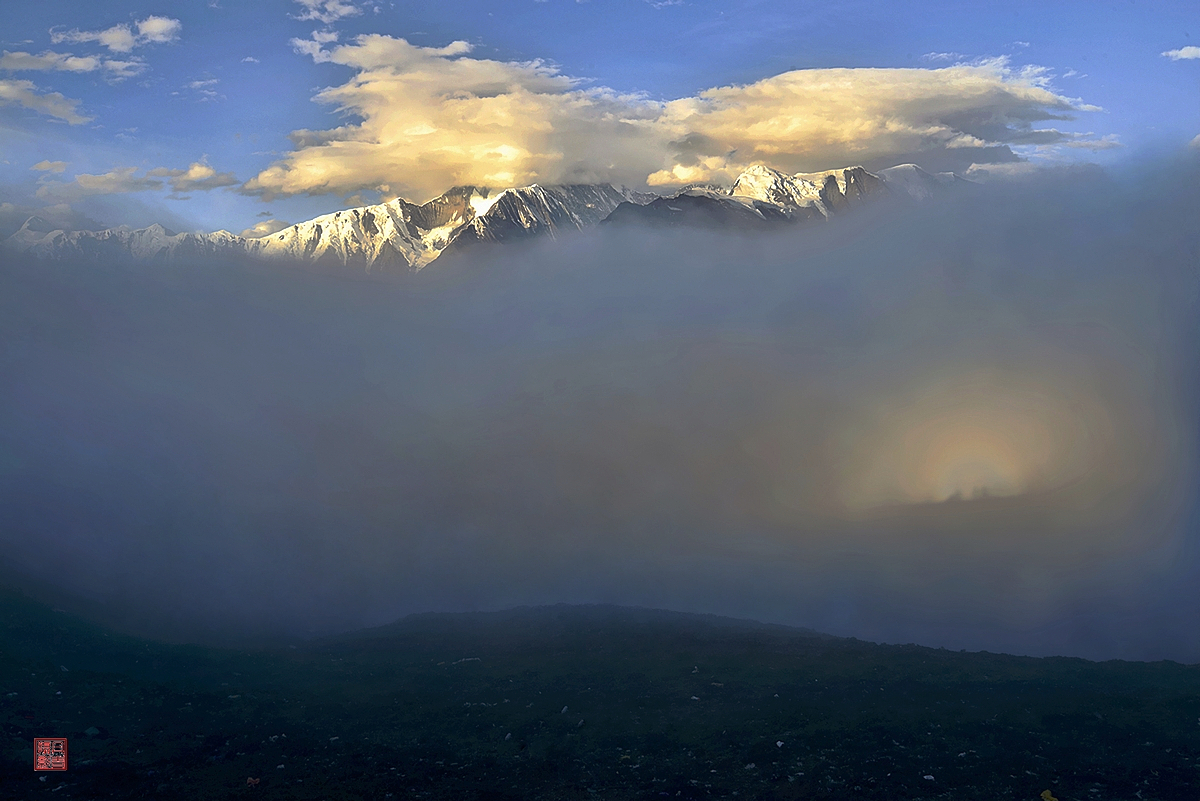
(481, 203)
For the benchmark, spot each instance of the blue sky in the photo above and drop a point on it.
(183, 115)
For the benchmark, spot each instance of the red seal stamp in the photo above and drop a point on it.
(50, 753)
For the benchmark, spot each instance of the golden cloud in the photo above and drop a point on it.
(429, 118)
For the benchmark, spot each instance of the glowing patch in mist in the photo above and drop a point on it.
(980, 435)
(964, 460)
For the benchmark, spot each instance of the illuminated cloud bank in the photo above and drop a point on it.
(423, 118)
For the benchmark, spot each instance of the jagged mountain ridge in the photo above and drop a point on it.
(396, 234)
(763, 197)
(400, 234)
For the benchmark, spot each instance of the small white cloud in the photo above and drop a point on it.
(1019, 43)
(1012, 170)
(1183, 53)
(943, 57)
(327, 11)
(1108, 142)
(158, 30)
(47, 61)
(204, 89)
(124, 69)
(122, 38)
(265, 228)
(124, 180)
(50, 166)
(50, 61)
(1195, 143)
(307, 47)
(249, 60)
(52, 104)
(118, 38)
(197, 177)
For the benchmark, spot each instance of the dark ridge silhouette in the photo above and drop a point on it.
(597, 702)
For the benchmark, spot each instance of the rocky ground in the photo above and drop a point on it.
(583, 703)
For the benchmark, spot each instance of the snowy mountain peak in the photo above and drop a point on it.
(823, 192)
(763, 183)
(535, 210)
(395, 234)
(400, 234)
(918, 183)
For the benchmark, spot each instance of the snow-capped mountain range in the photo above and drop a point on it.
(405, 235)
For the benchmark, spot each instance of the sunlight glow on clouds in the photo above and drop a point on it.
(983, 433)
(429, 118)
(818, 119)
(264, 228)
(197, 177)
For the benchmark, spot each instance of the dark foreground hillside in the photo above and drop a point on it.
(583, 703)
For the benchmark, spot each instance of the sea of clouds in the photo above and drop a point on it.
(968, 423)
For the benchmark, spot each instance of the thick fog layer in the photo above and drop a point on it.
(968, 423)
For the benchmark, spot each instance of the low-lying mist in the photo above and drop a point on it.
(968, 423)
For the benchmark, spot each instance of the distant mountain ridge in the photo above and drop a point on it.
(403, 235)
